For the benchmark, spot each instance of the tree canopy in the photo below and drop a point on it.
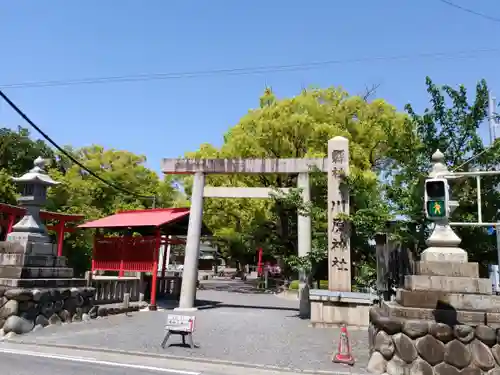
(79, 192)
(295, 128)
(451, 124)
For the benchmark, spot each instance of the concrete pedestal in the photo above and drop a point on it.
(37, 287)
(333, 309)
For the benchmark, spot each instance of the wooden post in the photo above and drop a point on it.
(259, 263)
(126, 300)
(60, 237)
(96, 234)
(154, 277)
(140, 275)
(165, 257)
(88, 277)
(122, 253)
(10, 223)
(382, 255)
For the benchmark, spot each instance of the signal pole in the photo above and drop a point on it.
(492, 103)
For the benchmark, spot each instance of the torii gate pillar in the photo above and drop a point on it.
(192, 252)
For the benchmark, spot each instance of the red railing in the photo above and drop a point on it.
(135, 254)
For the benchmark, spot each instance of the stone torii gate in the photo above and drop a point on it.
(337, 163)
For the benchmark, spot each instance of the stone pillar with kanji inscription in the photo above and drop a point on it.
(339, 252)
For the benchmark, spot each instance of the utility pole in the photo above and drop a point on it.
(493, 125)
(492, 103)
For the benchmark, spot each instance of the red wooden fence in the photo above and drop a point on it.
(134, 254)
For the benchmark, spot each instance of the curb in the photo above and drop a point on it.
(182, 358)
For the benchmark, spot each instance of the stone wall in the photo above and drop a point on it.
(401, 346)
(23, 309)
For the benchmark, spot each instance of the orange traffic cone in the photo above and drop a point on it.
(344, 350)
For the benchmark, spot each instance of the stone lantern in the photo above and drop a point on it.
(33, 186)
(37, 287)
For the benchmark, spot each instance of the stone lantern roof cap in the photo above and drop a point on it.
(37, 174)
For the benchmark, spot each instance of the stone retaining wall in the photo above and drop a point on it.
(401, 346)
(23, 309)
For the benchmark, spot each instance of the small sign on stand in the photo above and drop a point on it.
(182, 325)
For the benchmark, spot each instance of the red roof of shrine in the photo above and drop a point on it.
(139, 218)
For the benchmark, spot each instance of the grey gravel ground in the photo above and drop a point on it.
(237, 325)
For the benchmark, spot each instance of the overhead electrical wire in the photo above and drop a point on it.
(245, 71)
(215, 72)
(67, 154)
(471, 11)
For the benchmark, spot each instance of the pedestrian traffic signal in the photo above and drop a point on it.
(436, 198)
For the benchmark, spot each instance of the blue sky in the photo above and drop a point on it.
(65, 40)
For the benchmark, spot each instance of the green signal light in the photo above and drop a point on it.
(436, 208)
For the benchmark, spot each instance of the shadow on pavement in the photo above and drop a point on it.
(181, 345)
(301, 317)
(236, 306)
(207, 304)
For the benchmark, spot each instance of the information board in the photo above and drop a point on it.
(180, 323)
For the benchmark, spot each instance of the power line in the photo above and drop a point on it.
(246, 71)
(471, 11)
(67, 154)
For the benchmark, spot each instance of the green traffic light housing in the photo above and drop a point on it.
(436, 198)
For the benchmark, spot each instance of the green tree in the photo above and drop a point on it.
(17, 153)
(300, 127)
(81, 193)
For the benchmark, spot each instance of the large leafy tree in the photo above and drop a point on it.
(17, 153)
(301, 127)
(79, 192)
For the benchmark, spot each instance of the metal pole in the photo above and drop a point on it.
(479, 204)
(471, 224)
(495, 128)
(491, 117)
(497, 230)
(466, 174)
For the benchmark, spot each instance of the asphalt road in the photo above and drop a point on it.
(28, 359)
(13, 364)
(27, 362)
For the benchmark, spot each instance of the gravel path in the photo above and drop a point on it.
(236, 325)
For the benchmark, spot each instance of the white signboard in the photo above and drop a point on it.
(180, 323)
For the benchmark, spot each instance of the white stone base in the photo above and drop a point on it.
(186, 309)
(334, 314)
(333, 309)
(444, 254)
